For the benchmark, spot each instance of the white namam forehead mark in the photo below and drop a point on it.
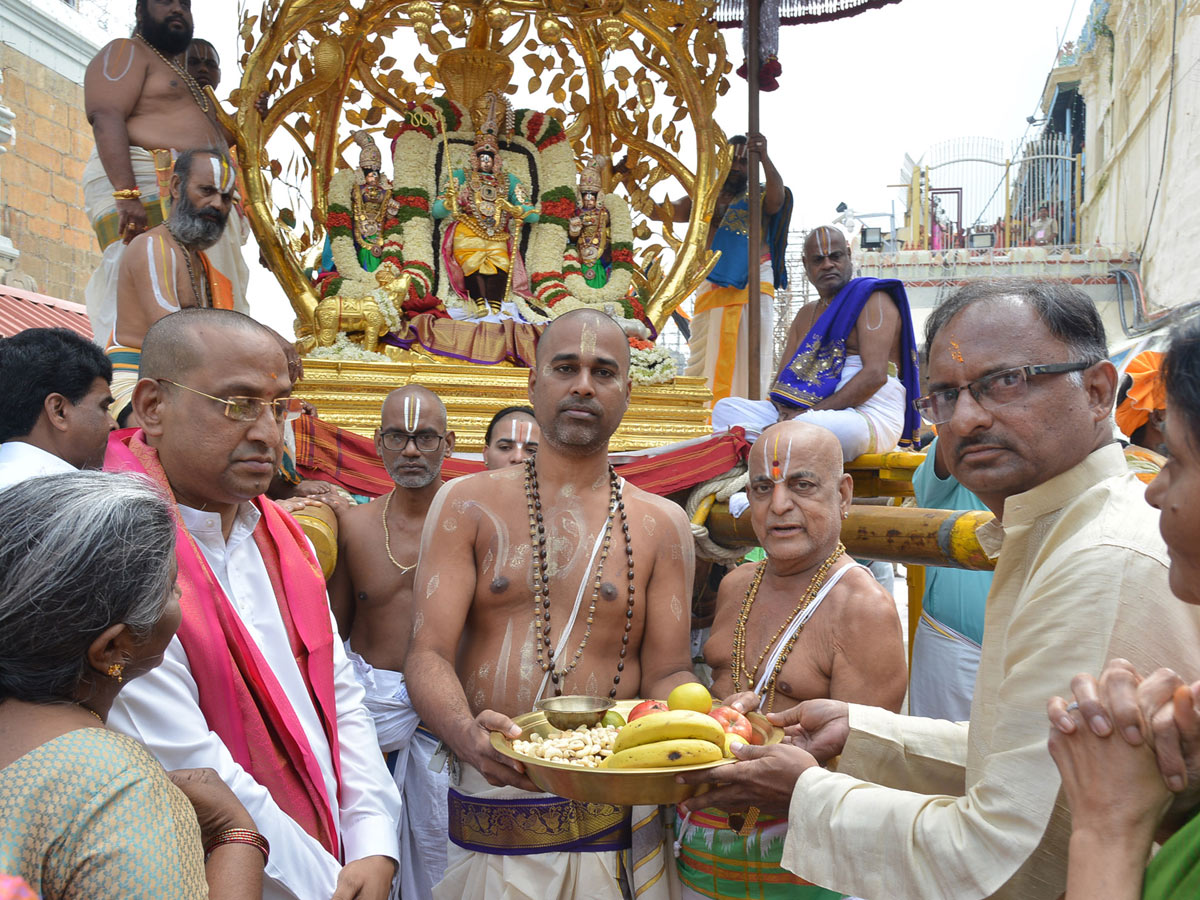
(824, 240)
(521, 432)
(648, 523)
(587, 341)
(676, 608)
(412, 413)
(433, 585)
(222, 174)
(777, 470)
(450, 525)
(418, 622)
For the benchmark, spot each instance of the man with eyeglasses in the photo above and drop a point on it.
(255, 684)
(1022, 393)
(850, 362)
(372, 594)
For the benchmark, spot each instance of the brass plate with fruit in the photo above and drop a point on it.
(624, 787)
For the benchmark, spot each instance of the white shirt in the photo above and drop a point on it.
(20, 461)
(161, 709)
(958, 812)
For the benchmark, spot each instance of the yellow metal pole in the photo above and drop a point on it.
(925, 209)
(1007, 206)
(915, 579)
(903, 534)
(1079, 198)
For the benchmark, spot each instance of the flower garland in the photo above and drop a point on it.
(345, 349)
(650, 365)
(620, 230)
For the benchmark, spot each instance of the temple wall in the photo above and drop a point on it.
(1125, 81)
(41, 193)
(45, 46)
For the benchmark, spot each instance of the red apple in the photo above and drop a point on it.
(645, 708)
(735, 723)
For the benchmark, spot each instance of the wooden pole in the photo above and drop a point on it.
(754, 335)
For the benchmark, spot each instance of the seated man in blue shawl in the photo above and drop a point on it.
(850, 364)
(719, 348)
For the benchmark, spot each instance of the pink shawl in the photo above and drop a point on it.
(240, 697)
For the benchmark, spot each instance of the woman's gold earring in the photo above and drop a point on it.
(115, 671)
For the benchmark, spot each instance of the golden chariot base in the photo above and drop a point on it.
(350, 395)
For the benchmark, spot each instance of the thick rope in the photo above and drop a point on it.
(700, 501)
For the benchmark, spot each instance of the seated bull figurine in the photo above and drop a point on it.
(350, 314)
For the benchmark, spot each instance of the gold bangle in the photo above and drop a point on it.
(127, 194)
(239, 836)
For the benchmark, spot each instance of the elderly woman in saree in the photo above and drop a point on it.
(87, 603)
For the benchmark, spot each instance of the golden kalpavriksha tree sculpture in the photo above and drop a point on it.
(635, 82)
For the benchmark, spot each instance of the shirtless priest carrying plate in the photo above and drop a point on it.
(581, 584)
(808, 622)
(850, 361)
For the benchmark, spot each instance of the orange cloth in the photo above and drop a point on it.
(220, 288)
(1146, 394)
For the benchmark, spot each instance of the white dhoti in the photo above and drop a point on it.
(101, 209)
(944, 666)
(408, 749)
(516, 873)
(719, 347)
(873, 427)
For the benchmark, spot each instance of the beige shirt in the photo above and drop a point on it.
(960, 811)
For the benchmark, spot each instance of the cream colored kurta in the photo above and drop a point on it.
(960, 812)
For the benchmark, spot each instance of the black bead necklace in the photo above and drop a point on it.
(541, 587)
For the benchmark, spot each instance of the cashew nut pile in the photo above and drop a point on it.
(583, 747)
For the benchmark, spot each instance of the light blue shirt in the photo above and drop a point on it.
(954, 597)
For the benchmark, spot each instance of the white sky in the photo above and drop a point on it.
(855, 95)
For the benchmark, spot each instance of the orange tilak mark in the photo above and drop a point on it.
(955, 353)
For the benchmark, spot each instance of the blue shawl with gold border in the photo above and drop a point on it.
(813, 372)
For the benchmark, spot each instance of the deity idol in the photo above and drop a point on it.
(371, 203)
(588, 228)
(488, 207)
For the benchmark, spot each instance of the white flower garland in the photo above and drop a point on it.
(620, 227)
(412, 162)
(345, 349)
(653, 365)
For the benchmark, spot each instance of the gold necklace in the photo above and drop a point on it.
(188, 80)
(93, 712)
(739, 631)
(197, 291)
(387, 540)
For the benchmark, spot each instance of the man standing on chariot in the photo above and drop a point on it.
(144, 109)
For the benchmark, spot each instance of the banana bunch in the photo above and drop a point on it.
(678, 737)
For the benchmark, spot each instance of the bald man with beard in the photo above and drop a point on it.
(850, 362)
(817, 623)
(372, 595)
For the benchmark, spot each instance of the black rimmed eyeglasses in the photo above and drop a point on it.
(426, 441)
(991, 391)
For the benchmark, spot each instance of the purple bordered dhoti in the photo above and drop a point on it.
(539, 824)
